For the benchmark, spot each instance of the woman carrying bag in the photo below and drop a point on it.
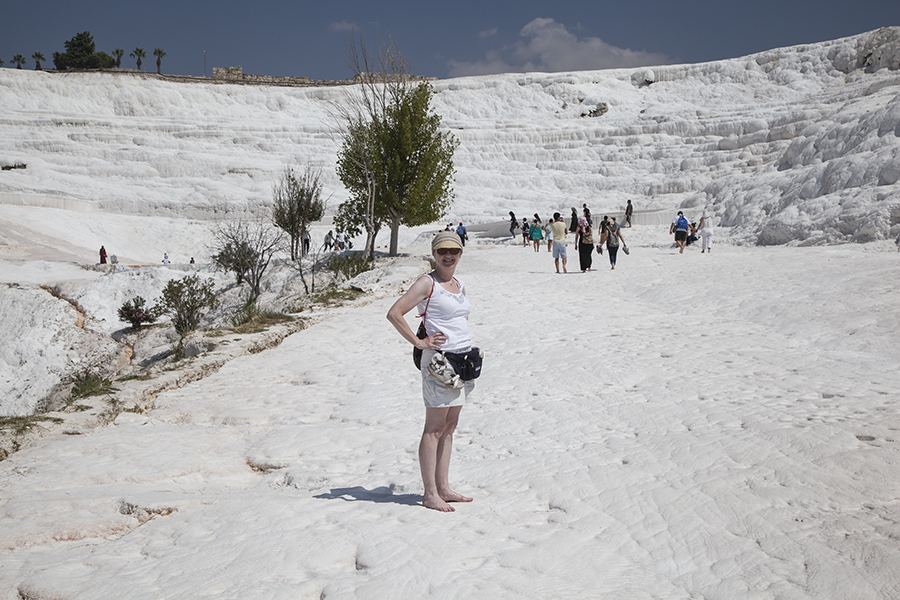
(441, 300)
(612, 234)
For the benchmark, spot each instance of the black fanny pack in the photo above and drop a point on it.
(466, 364)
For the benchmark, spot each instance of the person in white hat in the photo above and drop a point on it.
(441, 301)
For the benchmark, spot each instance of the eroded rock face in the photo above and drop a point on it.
(43, 341)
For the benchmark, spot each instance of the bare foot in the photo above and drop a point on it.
(452, 496)
(437, 504)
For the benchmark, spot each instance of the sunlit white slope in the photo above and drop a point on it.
(786, 145)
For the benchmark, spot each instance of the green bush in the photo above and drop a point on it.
(352, 264)
(136, 313)
(186, 300)
(88, 382)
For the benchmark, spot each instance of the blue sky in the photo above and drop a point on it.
(462, 37)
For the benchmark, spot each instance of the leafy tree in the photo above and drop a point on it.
(38, 57)
(297, 203)
(358, 118)
(412, 164)
(246, 249)
(1, 62)
(118, 53)
(104, 60)
(186, 300)
(159, 53)
(80, 54)
(19, 60)
(138, 54)
(394, 160)
(416, 162)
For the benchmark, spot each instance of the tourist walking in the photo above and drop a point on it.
(584, 241)
(587, 214)
(441, 300)
(629, 209)
(559, 241)
(706, 232)
(462, 233)
(612, 235)
(513, 224)
(102, 255)
(526, 232)
(573, 221)
(680, 226)
(537, 233)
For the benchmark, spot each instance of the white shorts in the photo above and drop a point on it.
(436, 394)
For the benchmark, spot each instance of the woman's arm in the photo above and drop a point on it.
(420, 290)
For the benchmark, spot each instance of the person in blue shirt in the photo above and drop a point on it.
(461, 232)
(680, 226)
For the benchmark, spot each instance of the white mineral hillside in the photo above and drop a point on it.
(790, 145)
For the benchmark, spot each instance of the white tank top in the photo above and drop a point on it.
(448, 313)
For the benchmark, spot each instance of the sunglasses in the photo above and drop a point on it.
(453, 251)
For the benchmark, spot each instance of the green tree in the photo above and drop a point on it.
(416, 162)
(19, 60)
(80, 54)
(159, 53)
(38, 57)
(118, 53)
(412, 164)
(102, 60)
(138, 54)
(297, 203)
(186, 300)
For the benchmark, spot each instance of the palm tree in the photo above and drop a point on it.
(38, 57)
(19, 60)
(118, 53)
(138, 54)
(158, 53)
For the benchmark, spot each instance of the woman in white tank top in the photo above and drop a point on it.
(442, 300)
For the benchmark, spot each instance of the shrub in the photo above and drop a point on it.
(89, 382)
(136, 313)
(351, 265)
(186, 300)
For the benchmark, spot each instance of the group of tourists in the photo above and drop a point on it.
(555, 232)
(686, 232)
(335, 242)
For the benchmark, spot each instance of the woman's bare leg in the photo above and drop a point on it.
(434, 458)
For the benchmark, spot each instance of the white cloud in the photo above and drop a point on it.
(343, 26)
(487, 33)
(548, 46)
